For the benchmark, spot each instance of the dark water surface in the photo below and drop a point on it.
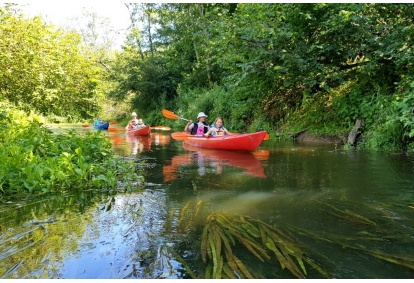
(349, 213)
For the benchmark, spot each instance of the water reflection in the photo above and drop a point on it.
(127, 145)
(160, 139)
(87, 235)
(138, 144)
(214, 161)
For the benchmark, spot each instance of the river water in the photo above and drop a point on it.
(331, 213)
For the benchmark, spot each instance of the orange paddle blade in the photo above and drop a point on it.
(261, 154)
(180, 136)
(113, 123)
(85, 126)
(115, 130)
(162, 128)
(267, 136)
(170, 115)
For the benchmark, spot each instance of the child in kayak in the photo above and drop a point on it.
(217, 129)
(140, 123)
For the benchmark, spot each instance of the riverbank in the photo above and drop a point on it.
(315, 138)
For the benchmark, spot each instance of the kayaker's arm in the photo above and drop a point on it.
(210, 131)
(186, 126)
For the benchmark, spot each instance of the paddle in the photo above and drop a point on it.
(162, 128)
(180, 136)
(171, 115)
(115, 130)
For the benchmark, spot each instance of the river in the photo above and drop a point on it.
(286, 210)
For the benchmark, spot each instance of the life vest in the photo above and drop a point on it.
(195, 131)
(132, 127)
(220, 131)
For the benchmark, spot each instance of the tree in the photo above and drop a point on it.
(45, 70)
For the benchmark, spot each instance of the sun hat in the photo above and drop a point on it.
(134, 114)
(201, 114)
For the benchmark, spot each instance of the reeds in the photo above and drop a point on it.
(223, 233)
(227, 238)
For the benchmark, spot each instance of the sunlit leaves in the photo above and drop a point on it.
(45, 70)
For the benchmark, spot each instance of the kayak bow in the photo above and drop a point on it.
(145, 131)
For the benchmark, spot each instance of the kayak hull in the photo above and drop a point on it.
(145, 131)
(240, 142)
(103, 126)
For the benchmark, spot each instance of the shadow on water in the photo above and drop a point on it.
(284, 211)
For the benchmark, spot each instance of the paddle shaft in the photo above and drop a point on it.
(181, 118)
(190, 120)
(171, 115)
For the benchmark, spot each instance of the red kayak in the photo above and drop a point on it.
(242, 142)
(145, 131)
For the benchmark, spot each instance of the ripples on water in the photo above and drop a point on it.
(351, 213)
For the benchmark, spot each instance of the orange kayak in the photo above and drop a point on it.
(140, 132)
(241, 142)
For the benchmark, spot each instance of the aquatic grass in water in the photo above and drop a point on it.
(226, 237)
(223, 232)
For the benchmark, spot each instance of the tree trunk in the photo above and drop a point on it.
(148, 12)
(353, 134)
(206, 36)
(133, 24)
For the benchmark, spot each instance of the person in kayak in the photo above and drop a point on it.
(133, 122)
(140, 123)
(217, 129)
(198, 128)
(98, 122)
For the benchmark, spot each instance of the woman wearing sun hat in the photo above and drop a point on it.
(132, 122)
(198, 128)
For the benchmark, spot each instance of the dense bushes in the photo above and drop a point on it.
(36, 160)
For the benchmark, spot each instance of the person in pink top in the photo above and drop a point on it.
(198, 128)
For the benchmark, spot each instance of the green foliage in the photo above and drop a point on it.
(218, 102)
(36, 160)
(404, 103)
(43, 69)
(146, 83)
(394, 127)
